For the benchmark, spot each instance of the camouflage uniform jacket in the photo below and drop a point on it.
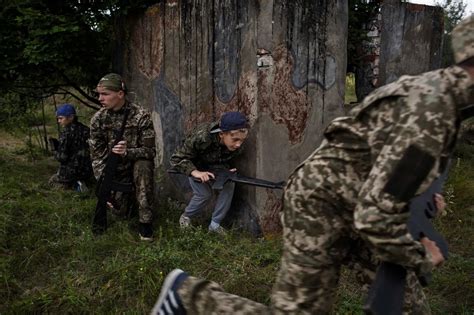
(139, 135)
(413, 120)
(73, 153)
(202, 151)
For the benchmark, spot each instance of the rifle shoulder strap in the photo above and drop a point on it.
(122, 127)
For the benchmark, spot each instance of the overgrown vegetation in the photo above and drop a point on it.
(51, 263)
(454, 11)
(49, 260)
(56, 48)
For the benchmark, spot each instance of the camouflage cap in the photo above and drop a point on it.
(113, 82)
(462, 40)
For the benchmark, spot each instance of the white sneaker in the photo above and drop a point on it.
(184, 221)
(81, 187)
(216, 228)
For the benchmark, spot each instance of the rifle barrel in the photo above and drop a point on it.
(237, 178)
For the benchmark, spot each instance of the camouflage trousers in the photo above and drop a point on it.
(67, 176)
(64, 178)
(56, 182)
(143, 194)
(318, 241)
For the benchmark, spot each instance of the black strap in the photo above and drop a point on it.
(466, 112)
(119, 134)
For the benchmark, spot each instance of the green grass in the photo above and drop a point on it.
(51, 263)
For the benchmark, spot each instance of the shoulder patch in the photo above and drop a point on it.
(409, 173)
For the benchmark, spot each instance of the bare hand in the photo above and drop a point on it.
(431, 247)
(439, 202)
(203, 176)
(120, 148)
(233, 170)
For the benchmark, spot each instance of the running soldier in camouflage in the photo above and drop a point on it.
(137, 149)
(71, 150)
(346, 204)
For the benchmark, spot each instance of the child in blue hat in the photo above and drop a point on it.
(211, 146)
(71, 151)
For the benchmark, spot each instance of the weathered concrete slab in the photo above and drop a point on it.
(281, 62)
(300, 89)
(411, 40)
(402, 38)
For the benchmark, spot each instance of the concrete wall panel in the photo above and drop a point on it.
(281, 62)
(410, 41)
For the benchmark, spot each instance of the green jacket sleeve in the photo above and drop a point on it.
(98, 146)
(181, 160)
(145, 150)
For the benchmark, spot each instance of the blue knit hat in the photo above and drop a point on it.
(65, 110)
(231, 121)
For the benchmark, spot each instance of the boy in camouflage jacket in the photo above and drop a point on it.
(212, 146)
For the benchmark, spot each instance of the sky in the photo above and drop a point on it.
(469, 8)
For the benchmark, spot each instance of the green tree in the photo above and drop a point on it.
(454, 11)
(361, 12)
(55, 47)
(52, 47)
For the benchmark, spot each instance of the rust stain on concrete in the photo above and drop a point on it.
(172, 15)
(244, 99)
(147, 42)
(194, 119)
(285, 104)
(415, 7)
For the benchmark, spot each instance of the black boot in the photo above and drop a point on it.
(146, 232)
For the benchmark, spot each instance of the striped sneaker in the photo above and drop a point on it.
(169, 302)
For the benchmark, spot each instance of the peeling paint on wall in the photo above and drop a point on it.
(225, 51)
(285, 104)
(306, 38)
(195, 59)
(147, 42)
